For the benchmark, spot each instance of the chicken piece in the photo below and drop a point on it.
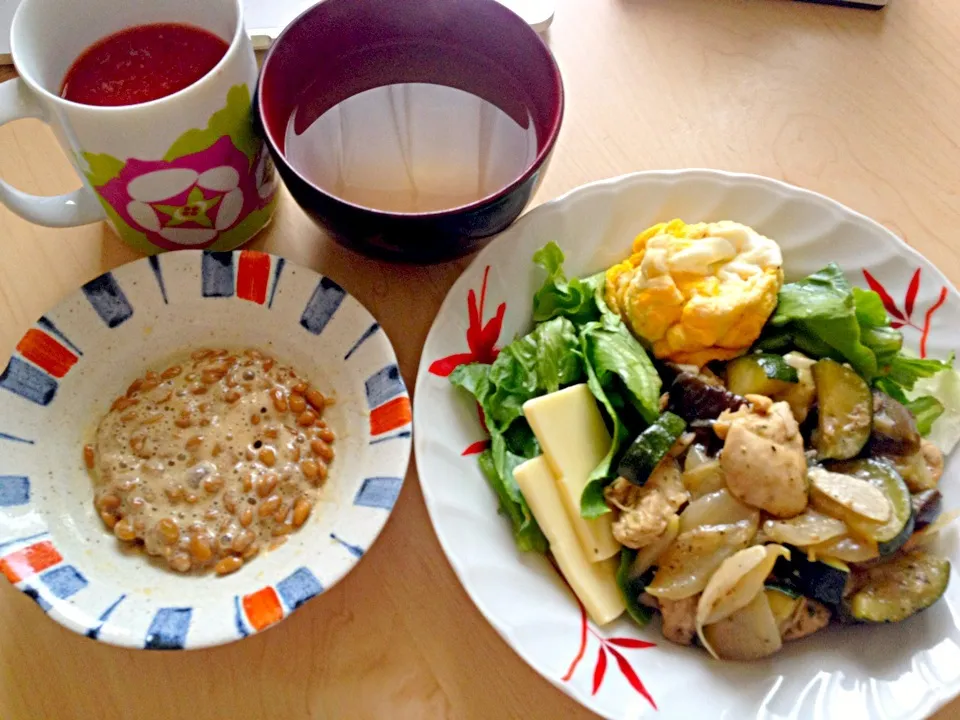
(667, 479)
(679, 619)
(808, 617)
(645, 511)
(763, 461)
(642, 521)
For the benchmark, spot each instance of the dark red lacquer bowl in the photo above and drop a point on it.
(339, 48)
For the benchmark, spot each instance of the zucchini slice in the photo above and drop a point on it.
(760, 374)
(800, 396)
(822, 580)
(845, 411)
(650, 447)
(894, 591)
(891, 535)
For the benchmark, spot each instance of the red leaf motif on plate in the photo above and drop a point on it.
(928, 318)
(481, 343)
(608, 645)
(481, 338)
(632, 677)
(888, 302)
(476, 448)
(444, 366)
(600, 669)
(896, 324)
(583, 644)
(630, 643)
(912, 293)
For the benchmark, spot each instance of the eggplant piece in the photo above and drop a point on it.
(820, 580)
(694, 397)
(894, 427)
(927, 506)
(895, 590)
(704, 434)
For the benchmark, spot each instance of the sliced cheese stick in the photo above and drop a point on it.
(570, 429)
(595, 583)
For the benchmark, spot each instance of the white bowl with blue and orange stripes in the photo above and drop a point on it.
(69, 366)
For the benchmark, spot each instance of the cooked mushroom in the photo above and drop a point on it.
(927, 506)
(894, 428)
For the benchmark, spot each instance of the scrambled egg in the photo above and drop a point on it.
(697, 293)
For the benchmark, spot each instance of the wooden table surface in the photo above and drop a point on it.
(862, 106)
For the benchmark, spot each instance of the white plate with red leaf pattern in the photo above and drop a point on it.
(623, 671)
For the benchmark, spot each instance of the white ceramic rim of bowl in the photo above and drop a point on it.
(362, 501)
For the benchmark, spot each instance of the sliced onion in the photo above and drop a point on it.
(696, 456)
(735, 583)
(647, 557)
(750, 633)
(686, 566)
(704, 479)
(851, 493)
(717, 508)
(848, 548)
(808, 528)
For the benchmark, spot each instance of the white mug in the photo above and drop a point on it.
(183, 171)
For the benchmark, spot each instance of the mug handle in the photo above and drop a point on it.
(74, 208)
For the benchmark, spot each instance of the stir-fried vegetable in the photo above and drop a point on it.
(761, 497)
(896, 590)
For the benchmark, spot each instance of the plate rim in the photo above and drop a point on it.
(941, 695)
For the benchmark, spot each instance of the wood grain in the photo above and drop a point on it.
(861, 106)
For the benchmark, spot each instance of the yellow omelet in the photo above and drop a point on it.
(697, 293)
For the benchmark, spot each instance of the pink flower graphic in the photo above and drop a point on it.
(188, 202)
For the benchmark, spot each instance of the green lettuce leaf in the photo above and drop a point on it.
(869, 308)
(926, 410)
(906, 371)
(592, 503)
(575, 299)
(613, 351)
(540, 362)
(823, 316)
(821, 308)
(619, 373)
(507, 450)
(945, 387)
(527, 534)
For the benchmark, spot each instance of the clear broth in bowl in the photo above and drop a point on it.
(412, 148)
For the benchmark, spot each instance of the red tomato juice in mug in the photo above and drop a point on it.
(142, 63)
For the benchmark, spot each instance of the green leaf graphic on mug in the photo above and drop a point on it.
(234, 121)
(102, 168)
